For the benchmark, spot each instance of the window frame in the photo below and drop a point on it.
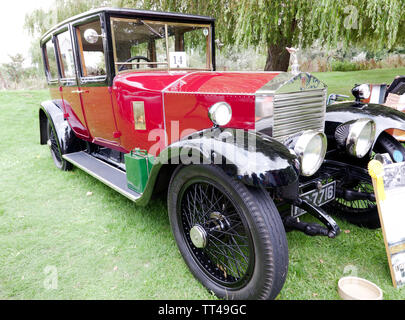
(65, 80)
(45, 60)
(84, 79)
(210, 55)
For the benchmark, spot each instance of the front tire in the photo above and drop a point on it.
(230, 236)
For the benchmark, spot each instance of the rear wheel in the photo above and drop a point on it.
(363, 212)
(231, 237)
(60, 163)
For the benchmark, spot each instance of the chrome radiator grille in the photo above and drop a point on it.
(298, 111)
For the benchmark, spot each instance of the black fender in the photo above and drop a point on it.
(253, 158)
(53, 112)
(384, 117)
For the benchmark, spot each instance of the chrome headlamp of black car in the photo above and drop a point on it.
(361, 92)
(356, 136)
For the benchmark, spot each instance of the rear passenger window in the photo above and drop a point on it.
(91, 53)
(50, 61)
(66, 55)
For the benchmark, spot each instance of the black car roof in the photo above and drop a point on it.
(127, 12)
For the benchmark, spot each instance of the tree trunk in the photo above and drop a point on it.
(278, 58)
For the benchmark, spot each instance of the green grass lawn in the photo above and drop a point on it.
(343, 82)
(102, 246)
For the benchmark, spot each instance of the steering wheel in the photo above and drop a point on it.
(139, 58)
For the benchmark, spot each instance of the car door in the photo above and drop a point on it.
(69, 86)
(139, 52)
(95, 93)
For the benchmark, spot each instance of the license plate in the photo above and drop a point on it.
(317, 197)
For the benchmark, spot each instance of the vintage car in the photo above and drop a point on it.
(361, 209)
(137, 103)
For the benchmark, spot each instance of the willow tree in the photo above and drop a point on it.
(272, 24)
(277, 24)
(222, 10)
(41, 20)
(372, 24)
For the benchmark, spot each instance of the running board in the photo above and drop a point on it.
(109, 175)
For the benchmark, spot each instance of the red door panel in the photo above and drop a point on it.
(151, 139)
(73, 108)
(98, 109)
(143, 87)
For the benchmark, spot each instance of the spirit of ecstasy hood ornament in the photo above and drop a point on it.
(295, 67)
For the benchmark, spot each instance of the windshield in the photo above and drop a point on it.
(141, 44)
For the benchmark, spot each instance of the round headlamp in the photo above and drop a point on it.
(311, 149)
(361, 137)
(357, 136)
(361, 92)
(220, 113)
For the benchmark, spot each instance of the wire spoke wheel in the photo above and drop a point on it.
(53, 144)
(359, 205)
(230, 236)
(225, 250)
(362, 211)
(60, 163)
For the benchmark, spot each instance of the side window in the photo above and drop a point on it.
(138, 44)
(66, 55)
(50, 61)
(91, 50)
(189, 46)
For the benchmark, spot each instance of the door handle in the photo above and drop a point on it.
(80, 91)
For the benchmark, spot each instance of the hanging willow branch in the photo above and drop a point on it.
(373, 24)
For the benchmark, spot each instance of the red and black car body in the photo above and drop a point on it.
(99, 110)
(223, 144)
